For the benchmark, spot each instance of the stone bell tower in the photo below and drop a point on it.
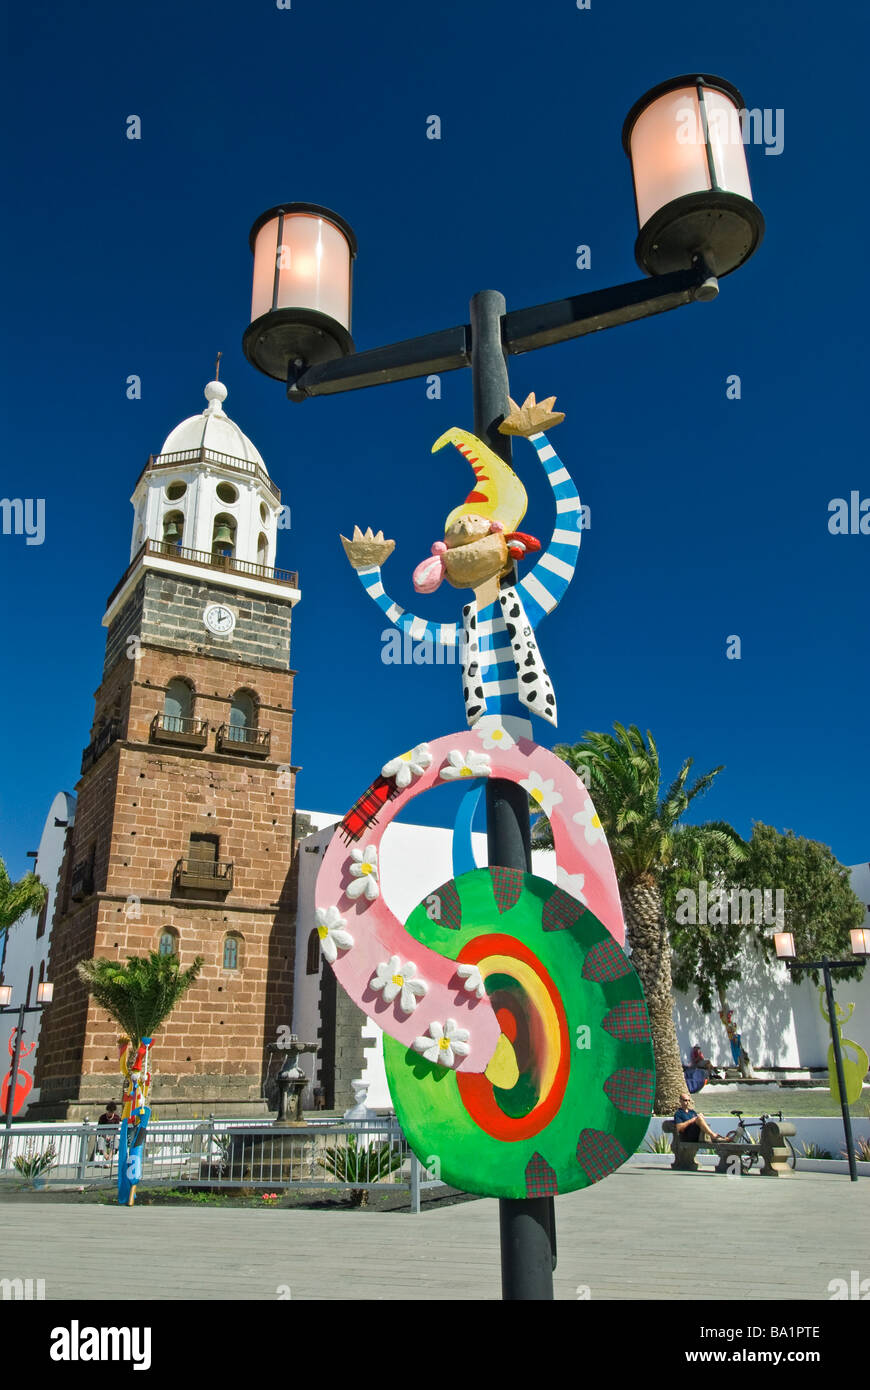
(183, 838)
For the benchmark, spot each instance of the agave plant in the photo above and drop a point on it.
(355, 1162)
(815, 1151)
(33, 1166)
(660, 1145)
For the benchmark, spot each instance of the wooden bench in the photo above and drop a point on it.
(772, 1148)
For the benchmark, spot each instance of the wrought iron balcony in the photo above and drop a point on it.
(106, 736)
(239, 738)
(174, 728)
(209, 875)
(182, 554)
(184, 457)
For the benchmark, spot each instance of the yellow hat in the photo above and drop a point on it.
(498, 493)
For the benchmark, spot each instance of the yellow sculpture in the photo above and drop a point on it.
(853, 1071)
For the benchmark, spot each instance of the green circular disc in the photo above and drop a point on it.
(569, 1094)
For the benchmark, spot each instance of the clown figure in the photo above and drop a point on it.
(504, 679)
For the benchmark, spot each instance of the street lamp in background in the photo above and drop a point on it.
(785, 949)
(44, 996)
(697, 221)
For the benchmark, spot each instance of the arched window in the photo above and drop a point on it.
(262, 549)
(173, 528)
(168, 944)
(231, 952)
(243, 715)
(312, 964)
(223, 541)
(29, 986)
(177, 705)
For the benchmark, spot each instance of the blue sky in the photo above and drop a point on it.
(709, 516)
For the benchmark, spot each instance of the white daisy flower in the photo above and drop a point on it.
(492, 732)
(364, 873)
(465, 765)
(444, 1045)
(473, 979)
(541, 792)
(332, 930)
(394, 978)
(571, 883)
(591, 823)
(411, 764)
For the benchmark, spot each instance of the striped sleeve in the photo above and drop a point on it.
(418, 629)
(546, 584)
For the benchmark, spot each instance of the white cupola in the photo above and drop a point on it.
(207, 495)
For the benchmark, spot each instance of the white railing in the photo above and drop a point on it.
(344, 1154)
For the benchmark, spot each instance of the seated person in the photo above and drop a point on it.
(692, 1127)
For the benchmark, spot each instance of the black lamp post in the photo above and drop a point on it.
(785, 949)
(697, 221)
(44, 994)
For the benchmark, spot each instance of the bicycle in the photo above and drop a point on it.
(741, 1134)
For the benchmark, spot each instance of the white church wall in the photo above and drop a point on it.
(25, 952)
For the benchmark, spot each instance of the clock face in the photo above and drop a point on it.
(219, 619)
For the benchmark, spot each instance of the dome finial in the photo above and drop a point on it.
(216, 392)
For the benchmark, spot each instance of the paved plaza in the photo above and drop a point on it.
(643, 1233)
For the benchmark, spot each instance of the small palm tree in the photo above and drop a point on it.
(642, 827)
(29, 894)
(141, 994)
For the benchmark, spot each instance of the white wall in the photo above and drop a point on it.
(26, 951)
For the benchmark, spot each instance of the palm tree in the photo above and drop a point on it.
(642, 827)
(141, 994)
(29, 894)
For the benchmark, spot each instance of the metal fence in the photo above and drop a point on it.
(324, 1154)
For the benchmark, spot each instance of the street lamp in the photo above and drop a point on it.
(696, 223)
(785, 949)
(691, 183)
(300, 307)
(44, 994)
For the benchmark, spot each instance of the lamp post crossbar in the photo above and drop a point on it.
(523, 330)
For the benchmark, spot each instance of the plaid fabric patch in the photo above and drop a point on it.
(443, 906)
(507, 884)
(366, 809)
(628, 1021)
(540, 1178)
(599, 1154)
(631, 1090)
(561, 911)
(606, 961)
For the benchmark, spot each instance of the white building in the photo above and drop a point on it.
(26, 945)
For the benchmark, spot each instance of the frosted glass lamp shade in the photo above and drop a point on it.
(783, 942)
(5, 996)
(44, 992)
(691, 183)
(860, 941)
(300, 308)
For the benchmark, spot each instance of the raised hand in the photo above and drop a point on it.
(366, 549)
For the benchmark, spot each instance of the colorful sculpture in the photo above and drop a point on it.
(854, 1069)
(23, 1081)
(135, 1114)
(517, 1041)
